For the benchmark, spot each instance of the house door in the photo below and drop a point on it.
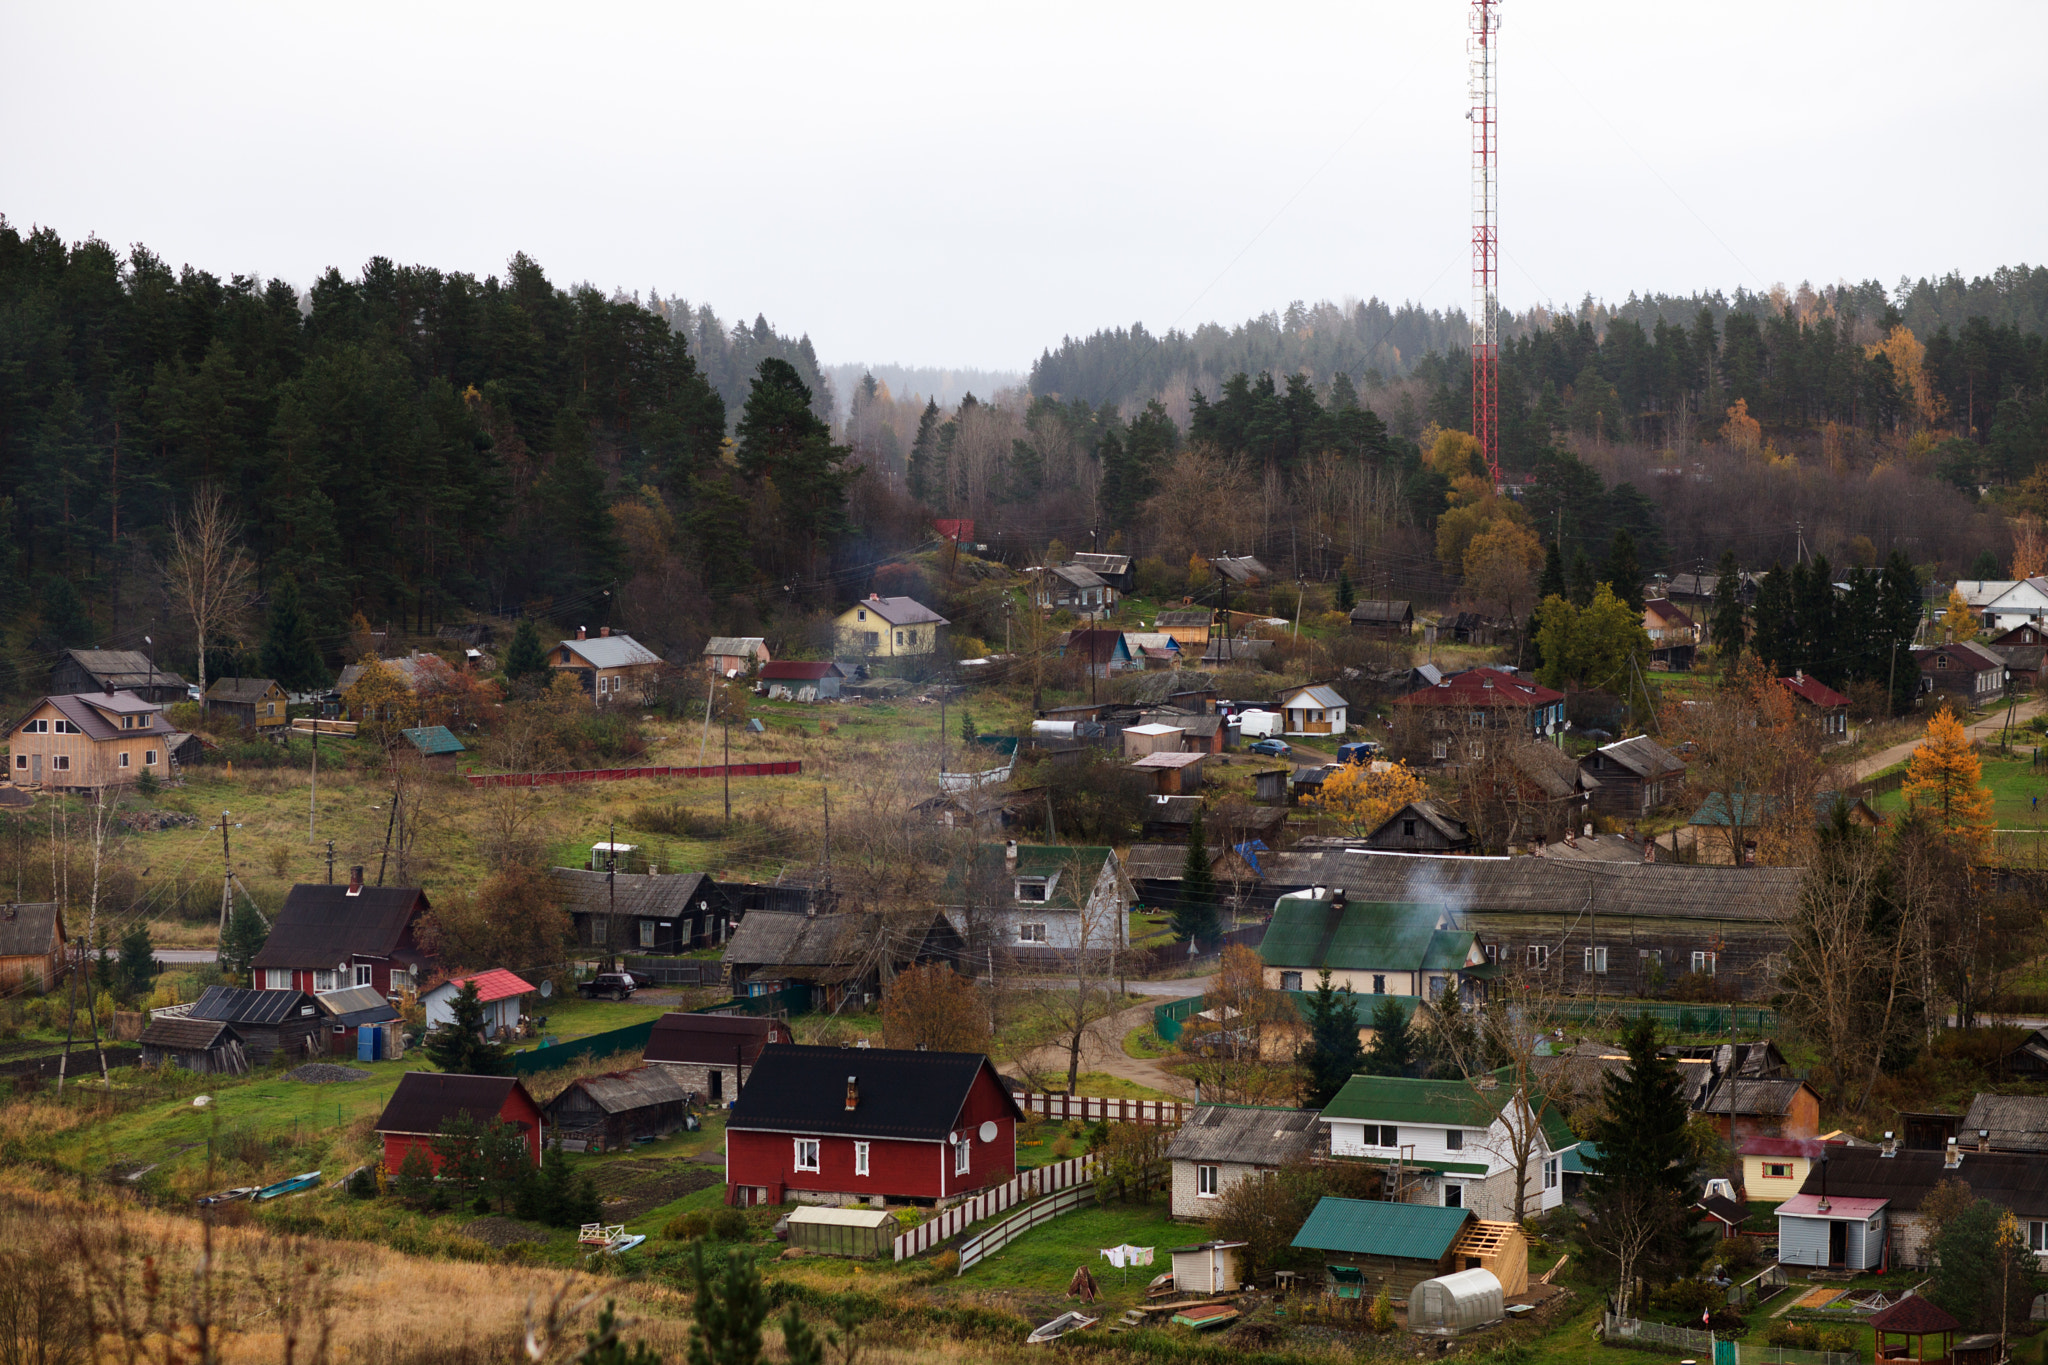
(1838, 1242)
(717, 1085)
(36, 771)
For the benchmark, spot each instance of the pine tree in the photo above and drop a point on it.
(783, 443)
(1584, 581)
(1552, 582)
(137, 972)
(505, 1163)
(458, 1155)
(1646, 1166)
(604, 1347)
(413, 1181)
(1331, 1055)
(1623, 573)
(1944, 778)
(585, 544)
(1775, 632)
(458, 1047)
(525, 658)
(1728, 623)
(1195, 917)
(725, 1327)
(244, 939)
(289, 654)
(1346, 597)
(1393, 1049)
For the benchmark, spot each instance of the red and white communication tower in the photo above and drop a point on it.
(1482, 49)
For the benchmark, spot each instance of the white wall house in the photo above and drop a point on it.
(2002, 603)
(1316, 710)
(499, 990)
(1029, 897)
(1459, 1138)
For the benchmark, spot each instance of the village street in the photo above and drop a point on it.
(1984, 729)
(1102, 1049)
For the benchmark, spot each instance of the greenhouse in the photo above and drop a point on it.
(1451, 1304)
(843, 1232)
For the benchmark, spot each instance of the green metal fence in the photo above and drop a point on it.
(786, 1003)
(1674, 1018)
(1168, 1019)
(632, 1038)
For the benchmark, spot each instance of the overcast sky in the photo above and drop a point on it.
(957, 184)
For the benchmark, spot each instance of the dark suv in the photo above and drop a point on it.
(607, 986)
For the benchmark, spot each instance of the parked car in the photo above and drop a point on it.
(607, 986)
(1364, 751)
(1276, 748)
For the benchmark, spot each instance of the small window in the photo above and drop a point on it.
(1031, 933)
(807, 1154)
(1596, 960)
(277, 979)
(149, 758)
(604, 685)
(647, 929)
(1703, 964)
(1492, 952)
(1379, 985)
(1440, 749)
(126, 757)
(1777, 1170)
(860, 1158)
(1205, 1182)
(21, 760)
(1290, 981)
(324, 981)
(1475, 751)
(899, 637)
(1454, 1139)
(1537, 956)
(1031, 889)
(1550, 1174)
(1408, 829)
(2037, 1236)
(363, 974)
(1390, 1136)
(963, 1154)
(1454, 1195)
(565, 654)
(61, 762)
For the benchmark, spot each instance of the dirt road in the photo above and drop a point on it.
(1987, 728)
(1102, 1049)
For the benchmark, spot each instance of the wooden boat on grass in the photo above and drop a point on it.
(1206, 1317)
(1059, 1327)
(291, 1186)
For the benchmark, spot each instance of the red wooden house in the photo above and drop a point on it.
(329, 937)
(425, 1100)
(832, 1125)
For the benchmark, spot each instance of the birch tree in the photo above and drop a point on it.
(210, 579)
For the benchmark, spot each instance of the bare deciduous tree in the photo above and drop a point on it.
(210, 579)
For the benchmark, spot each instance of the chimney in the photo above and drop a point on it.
(1539, 845)
(1337, 898)
(582, 634)
(1010, 856)
(1649, 852)
(653, 869)
(604, 632)
(109, 685)
(852, 1095)
(355, 881)
(1952, 1156)
(874, 597)
(1891, 1145)
(1799, 676)
(1983, 1139)
(1589, 829)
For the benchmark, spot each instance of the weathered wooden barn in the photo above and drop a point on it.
(195, 1044)
(605, 1113)
(31, 945)
(268, 1022)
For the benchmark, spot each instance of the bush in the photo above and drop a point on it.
(686, 1227)
(363, 1184)
(148, 784)
(1380, 1316)
(730, 1225)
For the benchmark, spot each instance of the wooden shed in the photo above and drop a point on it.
(1499, 1247)
(31, 946)
(258, 703)
(194, 1044)
(605, 1113)
(1366, 1244)
(268, 1022)
(1208, 1268)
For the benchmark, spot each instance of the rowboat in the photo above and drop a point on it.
(230, 1196)
(627, 1243)
(1206, 1317)
(1059, 1327)
(291, 1186)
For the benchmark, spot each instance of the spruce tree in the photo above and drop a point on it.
(725, 1327)
(785, 444)
(289, 654)
(1583, 583)
(1623, 573)
(1646, 1158)
(923, 451)
(1728, 622)
(525, 658)
(1331, 1055)
(1393, 1049)
(459, 1047)
(1346, 597)
(1552, 583)
(137, 972)
(1195, 917)
(244, 939)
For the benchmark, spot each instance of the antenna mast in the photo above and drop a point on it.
(1481, 50)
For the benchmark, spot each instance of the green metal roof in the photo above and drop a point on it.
(434, 739)
(1582, 1158)
(1399, 1099)
(1557, 1130)
(1361, 936)
(1367, 1226)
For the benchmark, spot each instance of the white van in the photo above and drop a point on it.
(1258, 724)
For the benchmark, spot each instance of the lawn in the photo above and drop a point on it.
(2016, 785)
(1040, 1263)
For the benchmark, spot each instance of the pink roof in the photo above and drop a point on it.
(802, 670)
(1167, 760)
(1808, 1206)
(1482, 687)
(1815, 691)
(1771, 1146)
(1665, 609)
(495, 984)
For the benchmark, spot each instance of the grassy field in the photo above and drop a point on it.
(2016, 785)
(1037, 1266)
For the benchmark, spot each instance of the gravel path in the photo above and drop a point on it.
(326, 1073)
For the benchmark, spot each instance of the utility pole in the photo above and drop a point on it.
(611, 888)
(313, 796)
(828, 831)
(725, 770)
(1481, 50)
(227, 877)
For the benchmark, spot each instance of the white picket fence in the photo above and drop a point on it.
(1091, 1108)
(1694, 1339)
(990, 1241)
(1032, 1184)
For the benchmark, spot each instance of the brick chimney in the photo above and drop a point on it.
(1010, 855)
(604, 632)
(582, 634)
(1952, 1156)
(355, 881)
(852, 1094)
(1983, 1139)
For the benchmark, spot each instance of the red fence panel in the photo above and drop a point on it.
(784, 768)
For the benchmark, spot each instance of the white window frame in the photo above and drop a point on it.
(21, 760)
(365, 974)
(1454, 1194)
(60, 763)
(1208, 1184)
(1032, 932)
(1454, 1139)
(963, 1156)
(1537, 957)
(1040, 886)
(860, 1158)
(806, 1155)
(2037, 1236)
(1439, 750)
(149, 758)
(1550, 1168)
(126, 758)
(323, 980)
(1596, 960)
(1703, 963)
(277, 978)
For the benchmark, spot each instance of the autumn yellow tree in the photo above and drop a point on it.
(933, 1007)
(1957, 618)
(1741, 431)
(1456, 455)
(1944, 779)
(379, 699)
(1500, 565)
(1364, 795)
(2029, 545)
(1908, 359)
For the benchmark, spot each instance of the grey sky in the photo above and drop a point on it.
(962, 185)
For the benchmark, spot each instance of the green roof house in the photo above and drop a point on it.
(1453, 1142)
(1374, 947)
(436, 746)
(1367, 1244)
(1034, 901)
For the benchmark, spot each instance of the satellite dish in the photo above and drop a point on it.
(547, 988)
(988, 1131)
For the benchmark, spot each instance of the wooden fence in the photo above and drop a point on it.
(1091, 1108)
(1044, 1180)
(786, 768)
(988, 1243)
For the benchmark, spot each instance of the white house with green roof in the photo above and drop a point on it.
(1458, 1136)
(1374, 947)
(1036, 898)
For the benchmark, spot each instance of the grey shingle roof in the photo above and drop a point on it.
(1256, 1137)
(1380, 611)
(612, 651)
(652, 897)
(124, 668)
(183, 1033)
(712, 1038)
(900, 1093)
(30, 930)
(239, 689)
(1540, 886)
(2017, 1122)
(1643, 756)
(619, 1092)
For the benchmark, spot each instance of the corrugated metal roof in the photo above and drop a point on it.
(239, 1005)
(902, 611)
(1849, 1210)
(842, 1218)
(495, 984)
(434, 739)
(1541, 886)
(1420, 1232)
(240, 689)
(1255, 1136)
(1311, 934)
(426, 1099)
(1400, 1099)
(612, 651)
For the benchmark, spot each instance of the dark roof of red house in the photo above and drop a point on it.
(425, 1100)
(914, 1096)
(1097, 646)
(1482, 687)
(240, 1005)
(717, 1039)
(805, 670)
(1977, 658)
(324, 926)
(1813, 690)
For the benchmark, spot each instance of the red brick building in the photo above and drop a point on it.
(425, 1100)
(828, 1125)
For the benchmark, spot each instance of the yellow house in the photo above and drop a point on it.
(889, 627)
(611, 665)
(1774, 1168)
(87, 740)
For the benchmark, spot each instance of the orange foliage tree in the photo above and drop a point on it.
(1944, 779)
(1362, 795)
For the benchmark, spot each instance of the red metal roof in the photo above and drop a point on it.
(1809, 1206)
(804, 670)
(495, 984)
(1813, 690)
(1480, 687)
(1773, 1146)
